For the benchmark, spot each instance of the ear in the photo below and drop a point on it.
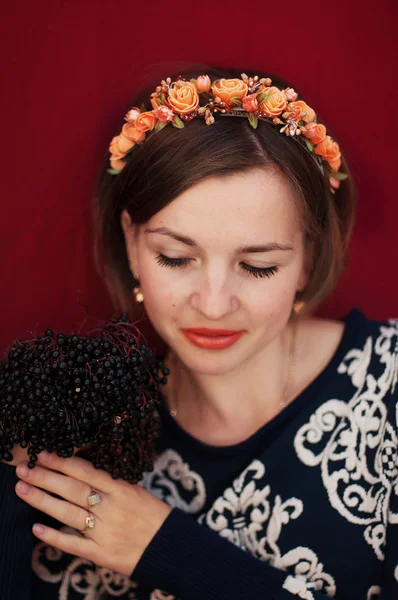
(130, 231)
(303, 280)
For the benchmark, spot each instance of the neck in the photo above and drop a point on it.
(241, 398)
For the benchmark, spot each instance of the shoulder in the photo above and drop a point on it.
(378, 340)
(354, 331)
(360, 350)
(370, 357)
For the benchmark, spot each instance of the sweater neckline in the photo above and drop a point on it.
(353, 325)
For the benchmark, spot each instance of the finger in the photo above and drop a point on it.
(78, 468)
(70, 489)
(71, 544)
(63, 511)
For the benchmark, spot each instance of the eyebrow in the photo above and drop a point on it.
(271, 246)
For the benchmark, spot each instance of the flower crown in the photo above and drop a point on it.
(180, 101)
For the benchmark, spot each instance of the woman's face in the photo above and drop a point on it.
(226, 254)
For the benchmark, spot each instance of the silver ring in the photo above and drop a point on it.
(94, 498)
(90, 521)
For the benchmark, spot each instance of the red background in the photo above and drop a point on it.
(71, 69)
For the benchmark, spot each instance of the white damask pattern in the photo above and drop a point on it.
(170, 476)
(374, 593)
(354, 444)
(80, 576)
(242, 514)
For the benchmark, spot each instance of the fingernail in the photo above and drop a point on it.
(23, 487)
(23, 470)
(39, 529)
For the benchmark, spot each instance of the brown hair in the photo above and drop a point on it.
(173, 160)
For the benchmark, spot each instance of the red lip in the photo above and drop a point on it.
(212, 339)
(205, 331)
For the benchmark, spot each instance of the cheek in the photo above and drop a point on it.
(273, 298)
(160, 291)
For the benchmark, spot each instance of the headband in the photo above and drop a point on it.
(180, 101)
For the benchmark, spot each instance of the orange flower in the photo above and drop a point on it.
(183, 97)
(299, 107)
(115, 149)
(330, 151)
(146, 121)
(225, 89)
(249, 103)
(130, 131)
(335, 164)
(315, 132)
(276, 103)
(164, 114)
(125, 143)
(203, 83)
(116, 163)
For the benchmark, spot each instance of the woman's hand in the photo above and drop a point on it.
(126, 519)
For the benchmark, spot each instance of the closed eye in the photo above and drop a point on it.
(260, 271)
(165, 261)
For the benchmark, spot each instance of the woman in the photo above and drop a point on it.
(276, 474)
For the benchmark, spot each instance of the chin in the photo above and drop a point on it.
(209, 362)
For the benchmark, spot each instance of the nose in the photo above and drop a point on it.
(214, 297)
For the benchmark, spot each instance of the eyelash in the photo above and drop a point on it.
(165, 261)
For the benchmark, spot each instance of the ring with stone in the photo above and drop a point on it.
(94, 498)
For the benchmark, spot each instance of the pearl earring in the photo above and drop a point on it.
(139, 296)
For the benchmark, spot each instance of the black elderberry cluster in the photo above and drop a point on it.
(97, 393)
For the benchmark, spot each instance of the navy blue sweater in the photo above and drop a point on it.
(306, 508)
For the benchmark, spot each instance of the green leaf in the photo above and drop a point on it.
(193, 81)
(309, 145)
(162, 98)
(159, 125)
(113, 171)
(253, 120)
(177, 122)
(261, 97)
(339, 176)
(236, 101)
(142, 108)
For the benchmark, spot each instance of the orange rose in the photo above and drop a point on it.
(146, 121)
(330, 151)
(276, 103)
(335, 164)
(130, 131)
(249, 103)
(116, 163)
(114, 148)
(183, 97)
(299, 107)
(225, 89)
(315, 132)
